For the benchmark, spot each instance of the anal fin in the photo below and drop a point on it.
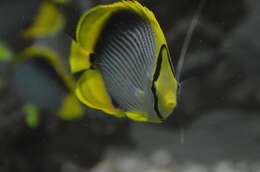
(91, 90)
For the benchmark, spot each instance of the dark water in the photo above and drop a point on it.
(214, 128)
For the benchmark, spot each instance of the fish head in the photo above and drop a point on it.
(164, 85)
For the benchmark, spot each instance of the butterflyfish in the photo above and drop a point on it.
(69, 108)
(123, 62)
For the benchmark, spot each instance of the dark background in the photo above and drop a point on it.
(215, 126)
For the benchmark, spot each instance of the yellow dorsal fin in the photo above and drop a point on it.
(90, 27)
(92, 22)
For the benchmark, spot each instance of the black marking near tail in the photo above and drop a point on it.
(155, 78)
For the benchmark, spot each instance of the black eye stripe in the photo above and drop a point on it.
(155, 78)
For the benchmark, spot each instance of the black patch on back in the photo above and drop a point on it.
(119, 21)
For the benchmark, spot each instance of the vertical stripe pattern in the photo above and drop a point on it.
(125, 57)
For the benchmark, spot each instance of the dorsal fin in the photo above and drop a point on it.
(90, 27)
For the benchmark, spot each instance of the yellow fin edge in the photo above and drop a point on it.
(90, 89)
(49, 20)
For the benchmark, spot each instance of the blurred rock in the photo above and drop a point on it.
(224, 167)
(70, 167)
(120, 160)
(194, 168)
(161, 158)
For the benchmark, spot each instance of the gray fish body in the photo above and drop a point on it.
(125, 58)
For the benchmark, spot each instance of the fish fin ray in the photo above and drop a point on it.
(91, 90)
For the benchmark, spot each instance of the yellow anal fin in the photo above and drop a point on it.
(91, 90)
(136, 116)
(71, 108)
(90, 27)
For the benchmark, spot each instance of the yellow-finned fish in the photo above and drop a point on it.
(125, 63)
(70, 108)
